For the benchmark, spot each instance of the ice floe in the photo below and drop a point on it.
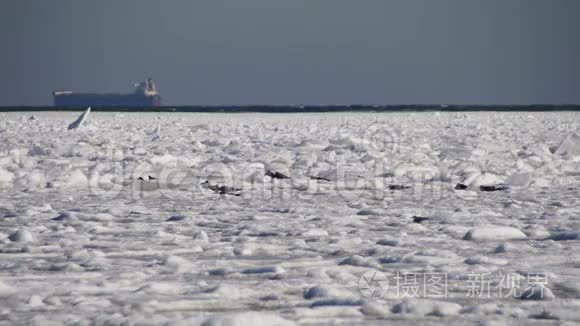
(494, 233)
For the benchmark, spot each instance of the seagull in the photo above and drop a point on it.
(222, 190)
(398, 187)
(319, 178)
(460, 186)
(500, 187)
(148, 178)
(276, 175)
(419, 219)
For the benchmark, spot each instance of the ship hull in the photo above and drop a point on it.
(106, 100)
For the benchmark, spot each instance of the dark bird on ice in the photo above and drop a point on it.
(222, 190)
(460, 186)
(319, 178)
(494, 188)
(419, 219)
(148, 178)
(276, 175)
(398, 187)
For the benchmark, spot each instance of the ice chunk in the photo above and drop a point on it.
(456, 231)
(570, 145)
(323, 291)
(161, 288)
(503, 248)
(265, 269)
(80, 120)
(6, 178)
(177, 264)
(243, 251)
(315, 233)
(336, 302)
(357, 260)
(494, 233)
(481, 259)
(537, 292)
(201, 236)
(157, 133)
(229, 291)
(519, 180)
(93, 259)
(21, 235)
(368, 211)
(77, 179)
(484, 178)
(427, 307)
(247, 318)
(35, 301)
(375, 309)
(389, 242)
(445, 309)
(564, 236)
(6, 290)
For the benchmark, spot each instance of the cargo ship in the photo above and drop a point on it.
(145, 95)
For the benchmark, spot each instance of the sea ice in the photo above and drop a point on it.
(291, 250)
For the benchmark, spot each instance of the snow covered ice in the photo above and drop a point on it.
(109, 223)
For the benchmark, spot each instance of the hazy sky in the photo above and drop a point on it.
(294, 51)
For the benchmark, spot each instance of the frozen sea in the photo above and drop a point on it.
(84, 241)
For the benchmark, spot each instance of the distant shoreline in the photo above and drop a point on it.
(307, 108)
